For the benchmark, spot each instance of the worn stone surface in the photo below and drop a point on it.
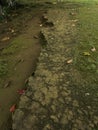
(48, 103)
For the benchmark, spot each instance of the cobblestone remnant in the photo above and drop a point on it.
(48, 103)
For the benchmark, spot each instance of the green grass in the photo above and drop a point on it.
(86, 60)
(3, 67)
(88, 39)
(83, 1)
(15, 46)
(84, 70)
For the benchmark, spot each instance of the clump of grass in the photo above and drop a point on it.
(12, 48)
(3, 67)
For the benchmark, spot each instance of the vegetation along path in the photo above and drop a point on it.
(63, 93)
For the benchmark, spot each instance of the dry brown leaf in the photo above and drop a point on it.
(73, 25)
(54, 3)
(72, 13)
(93, 49)
(5, 39)
(12, 31)
(69, 61)
(75, 20)
(12, 108)
(41, 25)
(36, 37)
(7, 84)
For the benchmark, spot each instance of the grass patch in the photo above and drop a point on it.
(87, 59)
(83, 1)
(3, 67)
(84, 78)
(15, 46)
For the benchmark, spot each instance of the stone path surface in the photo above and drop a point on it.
(48, 103)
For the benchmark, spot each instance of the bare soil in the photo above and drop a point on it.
(19, 47)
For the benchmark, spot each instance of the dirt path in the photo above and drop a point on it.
(21, 56)
(59, 96)
(63, 92)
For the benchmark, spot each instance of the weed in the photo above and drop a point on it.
(3, 67)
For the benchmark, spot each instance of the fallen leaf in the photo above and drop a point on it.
(86, 53)
(12, 31)
(87, 94)
(73, 25)
(93, 49)
(45, 17)
(5, 39)
(20, 60)
(26, 81)
(12, 108)
(69, 61)
(41, 25)
(54, 3)
(36, 37)
(21, 91)
(72, 13)
(75, 20)
(7, 84)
